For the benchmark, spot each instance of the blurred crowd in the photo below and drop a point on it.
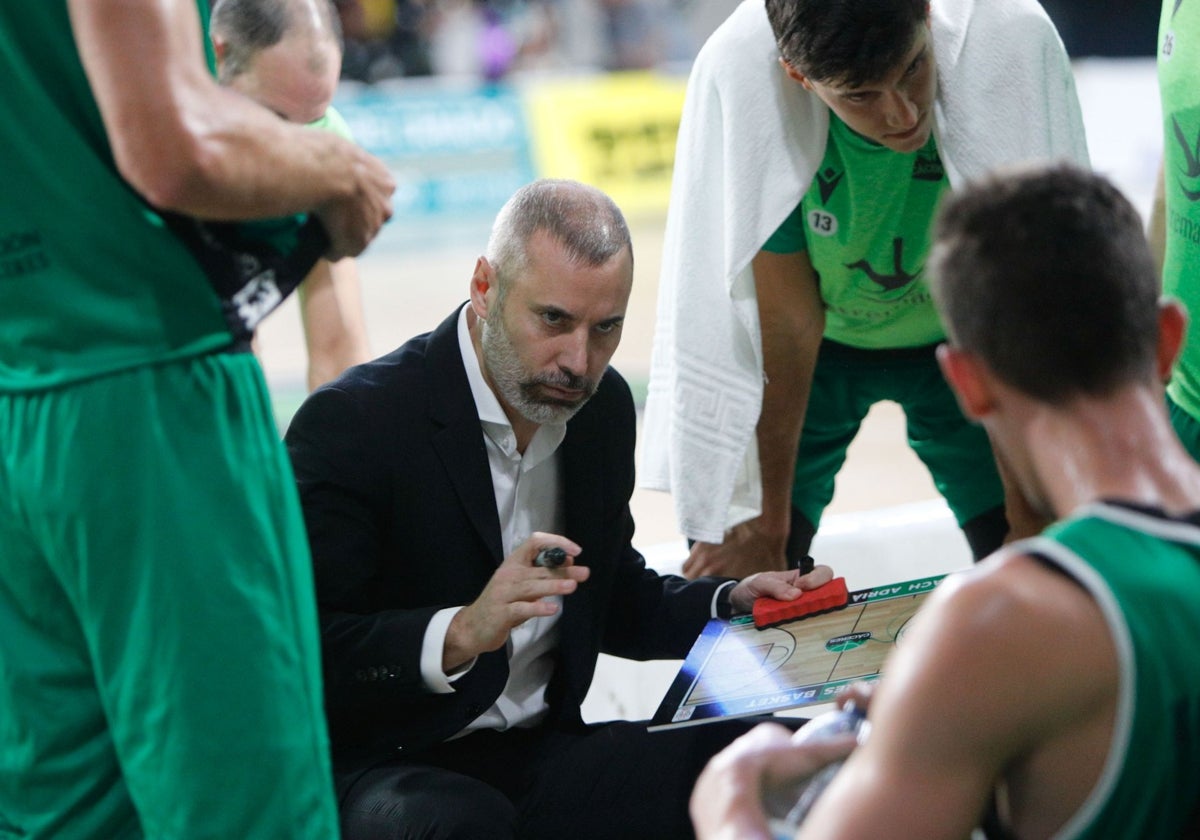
(493, 39)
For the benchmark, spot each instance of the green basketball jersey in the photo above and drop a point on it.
(332, 120)
(865, 222)
(1143, 570)
(1178, 72)
(92, 279)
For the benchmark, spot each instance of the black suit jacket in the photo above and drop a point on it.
(401, 515)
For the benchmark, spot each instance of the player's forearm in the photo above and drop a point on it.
(778, 435)
(332, 314)
(248, 164)
(182, 141)
(792, 321)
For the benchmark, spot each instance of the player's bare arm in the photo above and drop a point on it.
(950, 724)
(332, 312)
(190, 146)
(513, 596)
(793, 321)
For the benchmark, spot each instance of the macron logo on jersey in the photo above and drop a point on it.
(1191, 157)
(827, 182)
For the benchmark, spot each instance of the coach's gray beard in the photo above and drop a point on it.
(518, 387)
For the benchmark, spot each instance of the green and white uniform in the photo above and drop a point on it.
(158, 641)
(1143, 570)
(865, 222)
(1178, 70)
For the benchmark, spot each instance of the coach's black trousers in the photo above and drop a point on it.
(612, 780)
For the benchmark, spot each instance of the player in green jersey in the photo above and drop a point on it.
(158, 640)
(1175, 222)
(1048, 691)
(793, 295)
(286, 55)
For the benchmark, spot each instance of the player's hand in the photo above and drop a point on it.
(783, 586)
(749, 547)
(353, 221)
(727, 802)
(859, 694)
(514, 595)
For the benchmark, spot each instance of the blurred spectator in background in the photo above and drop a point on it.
(643, 34)
(385, 38)
(491, 39)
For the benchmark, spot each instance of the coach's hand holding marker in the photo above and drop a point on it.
(521, 588)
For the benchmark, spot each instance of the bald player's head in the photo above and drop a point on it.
(284, 54)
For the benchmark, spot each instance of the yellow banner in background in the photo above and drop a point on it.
(616, 132)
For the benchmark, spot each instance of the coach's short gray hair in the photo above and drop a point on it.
(585, 221)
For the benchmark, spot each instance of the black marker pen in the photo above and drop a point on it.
(550, 558)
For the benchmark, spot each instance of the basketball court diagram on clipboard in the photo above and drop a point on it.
(735, 669)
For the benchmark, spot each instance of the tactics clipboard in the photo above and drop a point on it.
(734, 669)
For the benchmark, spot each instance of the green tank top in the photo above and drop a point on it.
(865, 222)
(92, 279)
(1143, 570)
(1178, 72)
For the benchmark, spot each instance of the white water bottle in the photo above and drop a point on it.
(786, 810)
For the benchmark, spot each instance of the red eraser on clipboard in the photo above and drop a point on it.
(831, 596)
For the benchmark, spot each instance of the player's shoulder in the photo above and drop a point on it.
(1013, 609)
(1010, 587)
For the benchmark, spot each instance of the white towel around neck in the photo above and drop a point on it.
(750, 141)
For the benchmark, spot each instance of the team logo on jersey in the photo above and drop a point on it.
(827, 182)
(898, 279)
(928, 167)
(255, 300)
(1191, 157)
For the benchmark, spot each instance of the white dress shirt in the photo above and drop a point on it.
(528, 490)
